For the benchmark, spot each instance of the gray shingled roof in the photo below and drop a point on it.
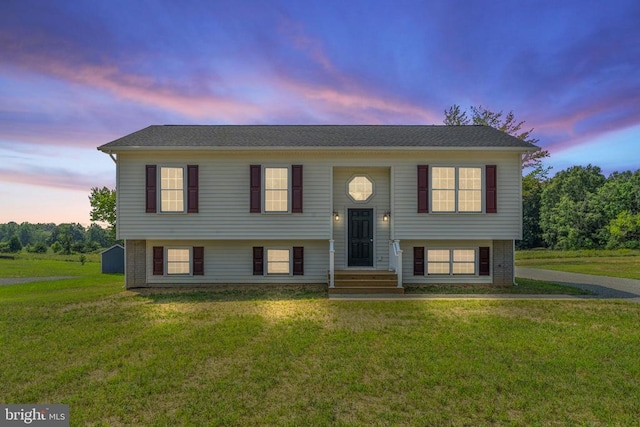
(316, 136)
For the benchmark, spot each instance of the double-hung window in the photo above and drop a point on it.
(451, 261)
(456, 189)
(172, 189)
(278, 261)
(178, 261)
(276, 189)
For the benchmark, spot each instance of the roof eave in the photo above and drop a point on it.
(109, 150)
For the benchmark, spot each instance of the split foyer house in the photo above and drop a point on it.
(388, 205)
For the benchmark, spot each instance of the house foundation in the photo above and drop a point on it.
(503, 267)
(135, 275)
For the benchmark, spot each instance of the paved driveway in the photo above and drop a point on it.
(20, 280)
(602, 286)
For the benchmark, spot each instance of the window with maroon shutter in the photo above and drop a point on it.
(255, 203)
(491, 189)
(418, 261)
(296, 187)
(423, 189)
(298, 261)
(151, 188)
(192, 188)
(483, 261)
(258, 260)
(198, 261)
(158, 260)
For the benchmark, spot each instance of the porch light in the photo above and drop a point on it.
(386, 216)
(336, 216)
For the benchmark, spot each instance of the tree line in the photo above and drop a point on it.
(63, 238)
(580, 208)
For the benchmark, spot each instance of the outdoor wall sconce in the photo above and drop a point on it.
(386, 216)
(336, 216)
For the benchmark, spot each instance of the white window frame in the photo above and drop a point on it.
(456, 190)
(264, 189)
(167, 261)
(184, 188)
(373, 188)
(289, 263)
(452, 261)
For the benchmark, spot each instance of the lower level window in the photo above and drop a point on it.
(278, 261)
(178, 261)
(451, 261)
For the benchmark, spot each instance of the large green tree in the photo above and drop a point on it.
(533, 184)
(567, 219)
(103, 207)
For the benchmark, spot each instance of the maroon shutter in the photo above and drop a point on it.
(158, 260)
(296, 189)
(483, 262)
(298, 261)
(423, 189)
(198, 261)
(255, 190)
(491, 189)
(418, 261)
(258, 260)
(151, 186)
(192, 188)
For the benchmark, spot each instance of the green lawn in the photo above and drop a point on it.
(47, 265)
(618, 263)
(296, 358)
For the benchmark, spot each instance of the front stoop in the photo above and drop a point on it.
(366, 282)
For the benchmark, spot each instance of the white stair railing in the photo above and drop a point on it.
(395, 260)
(332, 255)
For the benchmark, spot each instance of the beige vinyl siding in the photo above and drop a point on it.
(223, 199)
(379, 202)
(231, 261)
(505, 224)
(407, 261)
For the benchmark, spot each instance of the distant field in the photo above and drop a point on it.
(617, 263)
(45, 265)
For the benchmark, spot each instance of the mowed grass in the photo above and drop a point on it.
(296, 358)
(48, 265)
(623, 263)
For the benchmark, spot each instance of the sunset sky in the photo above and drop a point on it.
(77, 74)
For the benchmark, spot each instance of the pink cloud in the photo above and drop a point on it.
(56, 178)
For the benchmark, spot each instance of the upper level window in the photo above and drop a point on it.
(276, 189)
(171, 189)
(360, 188)
(456, 189)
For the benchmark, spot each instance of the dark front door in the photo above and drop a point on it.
(360, 237)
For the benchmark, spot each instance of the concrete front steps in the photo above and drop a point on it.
(366, 282)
